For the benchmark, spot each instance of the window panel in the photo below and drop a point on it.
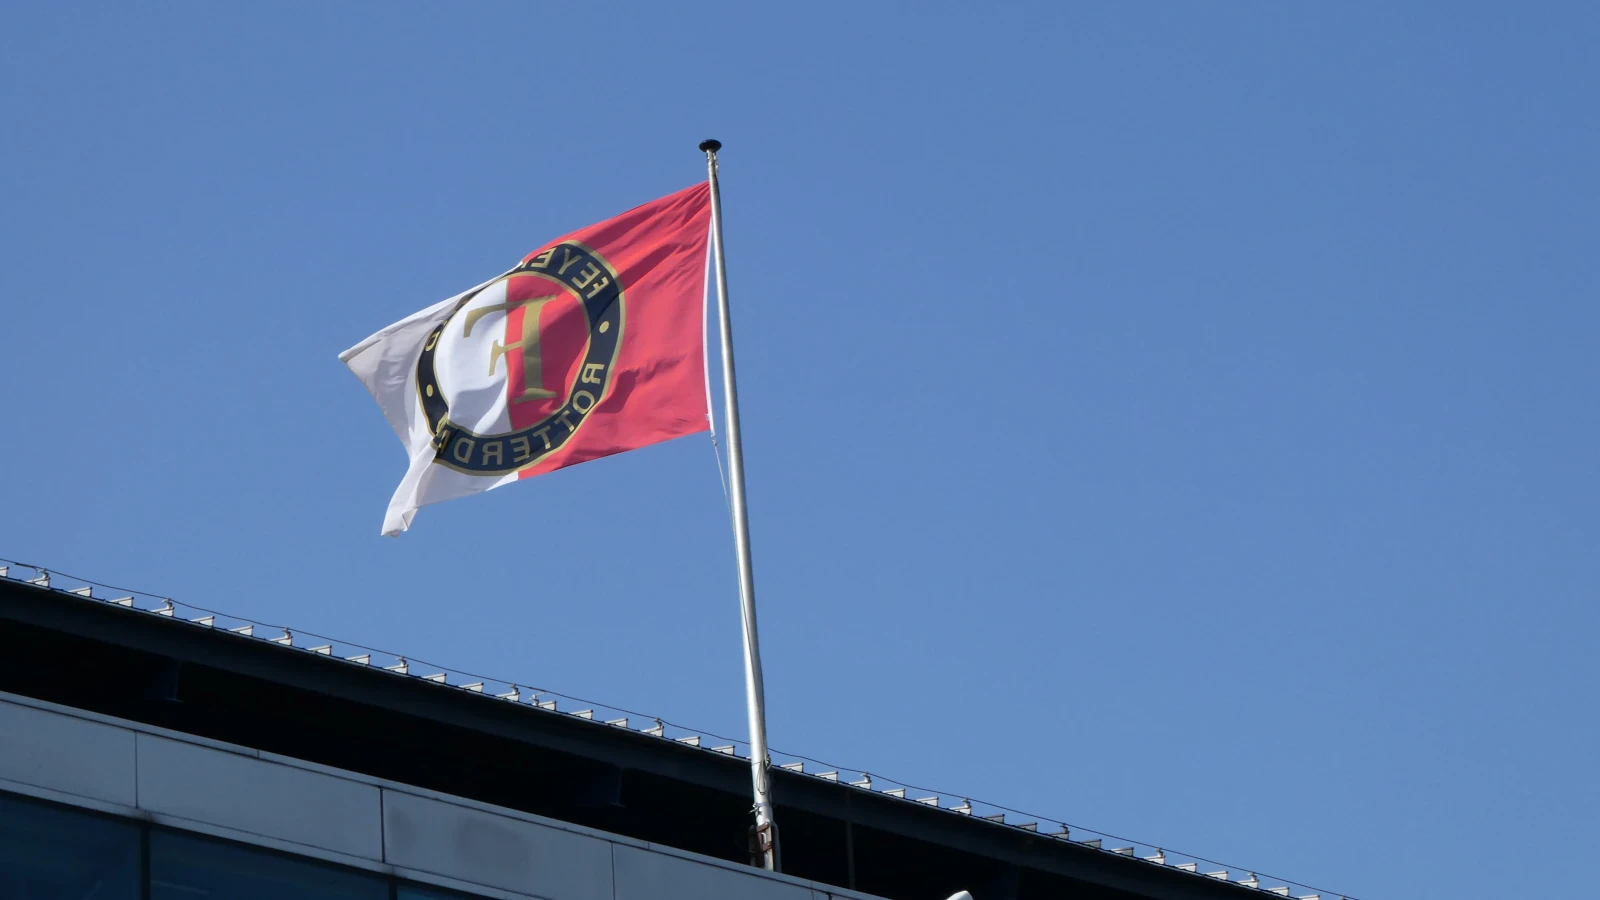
(418, 892)
(48, 853)
(189, 868)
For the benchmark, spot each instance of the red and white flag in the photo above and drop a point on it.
(592, 345)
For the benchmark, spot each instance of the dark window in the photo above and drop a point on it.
(47, 853)
(417, 892)
(189, 868)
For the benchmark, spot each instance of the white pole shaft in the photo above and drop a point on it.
(755, 693)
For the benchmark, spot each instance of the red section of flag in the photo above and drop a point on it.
(656, 390)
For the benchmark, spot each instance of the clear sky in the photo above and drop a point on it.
(1178, 419)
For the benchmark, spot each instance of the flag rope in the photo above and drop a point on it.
(705, 356)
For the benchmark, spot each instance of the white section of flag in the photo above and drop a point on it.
(387, 364)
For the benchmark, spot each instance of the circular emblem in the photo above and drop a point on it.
(520, 363)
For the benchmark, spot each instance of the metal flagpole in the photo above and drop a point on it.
(764, 837)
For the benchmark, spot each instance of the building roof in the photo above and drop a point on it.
(193, 670)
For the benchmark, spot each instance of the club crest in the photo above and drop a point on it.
(521, 362)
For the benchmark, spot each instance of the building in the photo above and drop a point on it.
(151, 754)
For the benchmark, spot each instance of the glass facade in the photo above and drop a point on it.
(48, 852)
(416, 892)
(184, 867)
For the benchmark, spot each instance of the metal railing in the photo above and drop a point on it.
(548, 701)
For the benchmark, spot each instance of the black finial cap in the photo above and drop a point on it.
(710, 145)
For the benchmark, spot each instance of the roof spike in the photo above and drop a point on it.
(896, 792)
(287, 640)
(476, 687)
(620, 723)
(169, 609)
(514, 695)
(1309, 897)
(1029, 826)
(42, 579)
(865, 783)
(727, 748)
(1159, 857)
(584, 713)
(122, 601)
(1092, 842)
(545, 704)
(85, 591)
(207, 621)
(929, 801)
(1282, 891)
(1252, 881)
(246, 630)
(692, 740)
(658, 729)
(965, 808)
(1064, 834)
(1220, 874)
(437, 678)
(794, 767)
(401, 667)
(828, 776)
(1187, 867)
(325, 650)
(1122, 851)
(997, 817)
(5, 571)
(363, 659)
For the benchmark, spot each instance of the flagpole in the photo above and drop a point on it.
(764, 837)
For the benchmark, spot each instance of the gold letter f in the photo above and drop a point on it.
(532, 364)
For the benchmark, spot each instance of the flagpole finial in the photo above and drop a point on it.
(710, 145)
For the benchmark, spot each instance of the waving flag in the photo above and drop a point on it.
(592, 345)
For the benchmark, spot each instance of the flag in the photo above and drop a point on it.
(592, 345)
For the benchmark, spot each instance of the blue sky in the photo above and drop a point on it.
(1176, 420)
